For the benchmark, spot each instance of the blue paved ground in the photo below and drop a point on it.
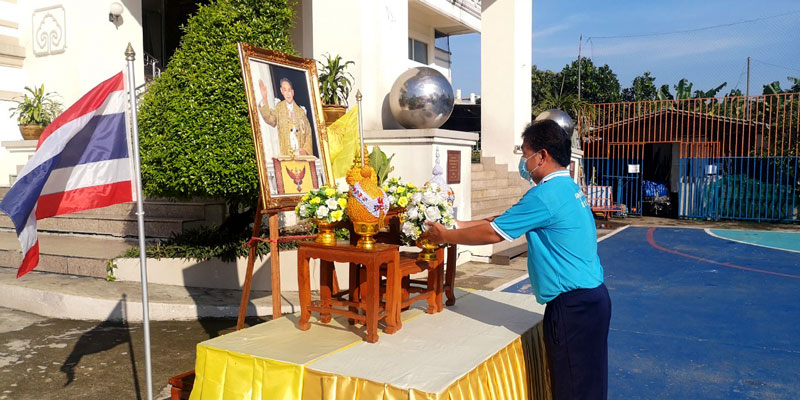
(780, 240)
(698, 317)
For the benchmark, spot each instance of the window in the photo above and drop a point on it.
(417, 51)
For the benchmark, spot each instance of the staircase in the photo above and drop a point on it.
(82, 243)
(494, 190)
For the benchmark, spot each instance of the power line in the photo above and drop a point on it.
(695, 29)
(776, 65)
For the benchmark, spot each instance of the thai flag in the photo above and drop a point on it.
(81, 162)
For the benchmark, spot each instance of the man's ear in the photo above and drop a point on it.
(545, 155)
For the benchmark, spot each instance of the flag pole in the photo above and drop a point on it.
(130, 56)
(360, 129)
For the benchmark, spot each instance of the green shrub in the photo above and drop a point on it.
(194, 126)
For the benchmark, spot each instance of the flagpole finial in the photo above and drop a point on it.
(130, 55)
(358, 95)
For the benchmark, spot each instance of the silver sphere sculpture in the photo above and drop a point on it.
(421, 98)
(560, 117)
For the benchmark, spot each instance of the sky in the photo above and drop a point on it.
(707, 42)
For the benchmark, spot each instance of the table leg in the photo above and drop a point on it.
(431, 287)
(393, 297)
(353, 292)
(450, 275)
(373, 300)
(304, 286)
(325, 286)
(439, 288)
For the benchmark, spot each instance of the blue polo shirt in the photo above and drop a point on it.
(562, 240)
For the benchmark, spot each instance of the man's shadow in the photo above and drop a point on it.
(105, 336)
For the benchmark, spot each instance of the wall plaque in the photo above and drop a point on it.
(453, 167)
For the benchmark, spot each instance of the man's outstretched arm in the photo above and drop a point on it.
(477, 233)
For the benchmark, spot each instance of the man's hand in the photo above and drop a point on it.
(263, 89)
(435, 233)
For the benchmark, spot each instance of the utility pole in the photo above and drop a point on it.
(580, 41)
(747, 92)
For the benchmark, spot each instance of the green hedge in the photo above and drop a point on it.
(194, 126)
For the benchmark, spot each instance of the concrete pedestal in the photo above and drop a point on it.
(17, 154)
(415, 155)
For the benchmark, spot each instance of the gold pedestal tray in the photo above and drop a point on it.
(326, 235)
(427, 253)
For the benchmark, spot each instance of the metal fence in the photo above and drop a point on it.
(734, 157)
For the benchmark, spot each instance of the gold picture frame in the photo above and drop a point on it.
(288, 125)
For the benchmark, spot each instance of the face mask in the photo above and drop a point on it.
(523, 169)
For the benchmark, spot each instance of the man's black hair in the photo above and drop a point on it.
(547, 134)
(287, 81)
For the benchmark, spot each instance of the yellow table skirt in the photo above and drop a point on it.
(516, 371)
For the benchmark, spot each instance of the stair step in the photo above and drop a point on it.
(485, 175)
(109, 225)
(65, 254)
(157, 209)
(489, 183)
(486, 213)
(492, 203)
(476, 167)
(491, 193)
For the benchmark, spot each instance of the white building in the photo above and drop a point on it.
(71, 45)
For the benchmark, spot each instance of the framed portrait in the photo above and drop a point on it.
(287, 123)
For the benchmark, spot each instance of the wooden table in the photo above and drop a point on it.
(370, 296)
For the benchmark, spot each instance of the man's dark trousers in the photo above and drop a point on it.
(576, 338)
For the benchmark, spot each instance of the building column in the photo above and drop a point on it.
(506, 29)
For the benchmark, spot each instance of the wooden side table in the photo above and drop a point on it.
(370, 297)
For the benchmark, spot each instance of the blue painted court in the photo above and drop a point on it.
(698, 316)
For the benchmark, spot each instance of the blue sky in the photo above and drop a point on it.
(707, 57)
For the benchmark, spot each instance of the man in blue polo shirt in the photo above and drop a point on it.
(563, 265)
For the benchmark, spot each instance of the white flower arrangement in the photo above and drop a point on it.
(399, 192)
(429, 204)
(326, 204)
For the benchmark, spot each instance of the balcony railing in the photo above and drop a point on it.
(472, 7)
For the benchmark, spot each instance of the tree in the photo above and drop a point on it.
(543, 82)
(194, 122)
(643, 89)
(664, 94)
(772, 88)
(598, 84)
(796, 84)
(700, 94)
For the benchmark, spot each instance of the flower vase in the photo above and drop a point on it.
(326, 234)
(428, 250)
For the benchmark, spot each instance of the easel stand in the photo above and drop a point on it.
(275, 259)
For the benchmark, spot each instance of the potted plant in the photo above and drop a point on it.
(35, 112)
(335, 84)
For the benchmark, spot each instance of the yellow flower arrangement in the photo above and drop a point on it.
(325, 204)
(402, 201)
(399, 192)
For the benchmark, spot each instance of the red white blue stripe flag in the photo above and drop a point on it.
(82, 161)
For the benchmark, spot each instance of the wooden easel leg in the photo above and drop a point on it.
(248, 277)
(276, 265)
